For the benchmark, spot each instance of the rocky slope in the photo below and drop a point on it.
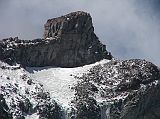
(22, 97)
(105, 89)
(119, 90)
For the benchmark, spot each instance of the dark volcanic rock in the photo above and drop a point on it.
(88, 109)
(69, 41)
(142, 104)
(49, 110)
(4, 110)
(127, 89)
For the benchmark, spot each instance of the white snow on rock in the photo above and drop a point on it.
(33, 116)
(58, 81)
(14, 87)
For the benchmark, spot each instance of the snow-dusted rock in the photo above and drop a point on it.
(105, 90)
(120, 90)
(68, 43)
(20, 99)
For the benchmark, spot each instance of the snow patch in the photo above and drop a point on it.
(32, 116)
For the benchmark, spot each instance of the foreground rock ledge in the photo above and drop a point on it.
(69, 41)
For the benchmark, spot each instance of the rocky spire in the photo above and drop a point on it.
(73, 23)
(69, 41)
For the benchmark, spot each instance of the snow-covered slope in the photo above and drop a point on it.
(60, 81)
(36, 85)
(21, 95)
(104, 90)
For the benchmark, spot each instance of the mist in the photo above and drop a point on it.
(129, 28)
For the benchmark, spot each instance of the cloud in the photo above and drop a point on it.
(129, 28)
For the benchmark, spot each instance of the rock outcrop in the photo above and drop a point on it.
(127, 89)
(69, 41)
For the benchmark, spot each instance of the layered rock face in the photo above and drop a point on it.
(69, 41)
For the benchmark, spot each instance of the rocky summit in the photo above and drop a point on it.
(69, 74)
(69, 41)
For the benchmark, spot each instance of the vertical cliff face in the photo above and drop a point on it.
(69, 41)
(79, 44)
(76, 23)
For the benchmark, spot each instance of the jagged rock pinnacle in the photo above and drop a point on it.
(69, 41)
(73, 23)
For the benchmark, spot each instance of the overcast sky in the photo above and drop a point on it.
(129, 28)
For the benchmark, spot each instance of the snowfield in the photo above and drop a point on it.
(58, 81)
(18, 84)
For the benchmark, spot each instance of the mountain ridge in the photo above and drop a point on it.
(69, 41)
(91, 85)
